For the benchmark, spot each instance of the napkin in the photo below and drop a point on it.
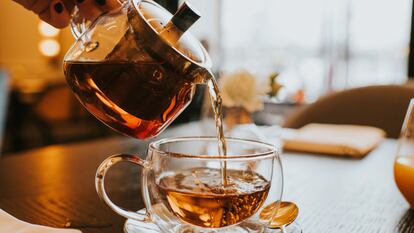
(11, 224)
(347, 140)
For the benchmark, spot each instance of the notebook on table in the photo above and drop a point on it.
(344, 140)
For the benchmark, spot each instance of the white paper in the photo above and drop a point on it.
(10, 224)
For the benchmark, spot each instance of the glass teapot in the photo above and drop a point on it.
(135, 68)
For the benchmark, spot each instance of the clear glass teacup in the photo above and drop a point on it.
(187, 187)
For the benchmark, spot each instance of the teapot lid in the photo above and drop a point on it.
(172, 44)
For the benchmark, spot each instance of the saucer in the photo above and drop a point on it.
(132, 226)
(293, 228)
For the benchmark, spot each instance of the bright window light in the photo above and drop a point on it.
(47, 30)
(49, 47)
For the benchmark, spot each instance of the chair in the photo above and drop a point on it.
(62, 118)
(379, 106)
(52, 116)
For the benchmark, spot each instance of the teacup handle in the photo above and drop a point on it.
(100, 184)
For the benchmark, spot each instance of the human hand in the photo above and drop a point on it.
(58, 12)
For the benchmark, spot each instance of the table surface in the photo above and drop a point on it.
(54, 186)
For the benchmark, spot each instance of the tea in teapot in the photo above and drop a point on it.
(137, 99)
(135, 69)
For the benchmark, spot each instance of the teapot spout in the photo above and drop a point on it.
(202, 76)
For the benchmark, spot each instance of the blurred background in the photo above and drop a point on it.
(316, 47)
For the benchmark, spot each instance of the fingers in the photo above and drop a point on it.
(107, 5)
(88, 9)
(57, 14)
(40, 6)
(91, 9)
(69, 5)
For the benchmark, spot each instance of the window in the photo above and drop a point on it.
(316, 45)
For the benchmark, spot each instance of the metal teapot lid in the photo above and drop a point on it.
(164, 34)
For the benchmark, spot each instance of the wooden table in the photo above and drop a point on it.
(55, 186)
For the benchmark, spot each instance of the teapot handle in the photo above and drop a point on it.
(78, 24)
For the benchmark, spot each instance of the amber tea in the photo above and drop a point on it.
(133, 98)
(198, 197)
(139, 99)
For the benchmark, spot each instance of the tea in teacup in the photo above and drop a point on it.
(197, 196)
